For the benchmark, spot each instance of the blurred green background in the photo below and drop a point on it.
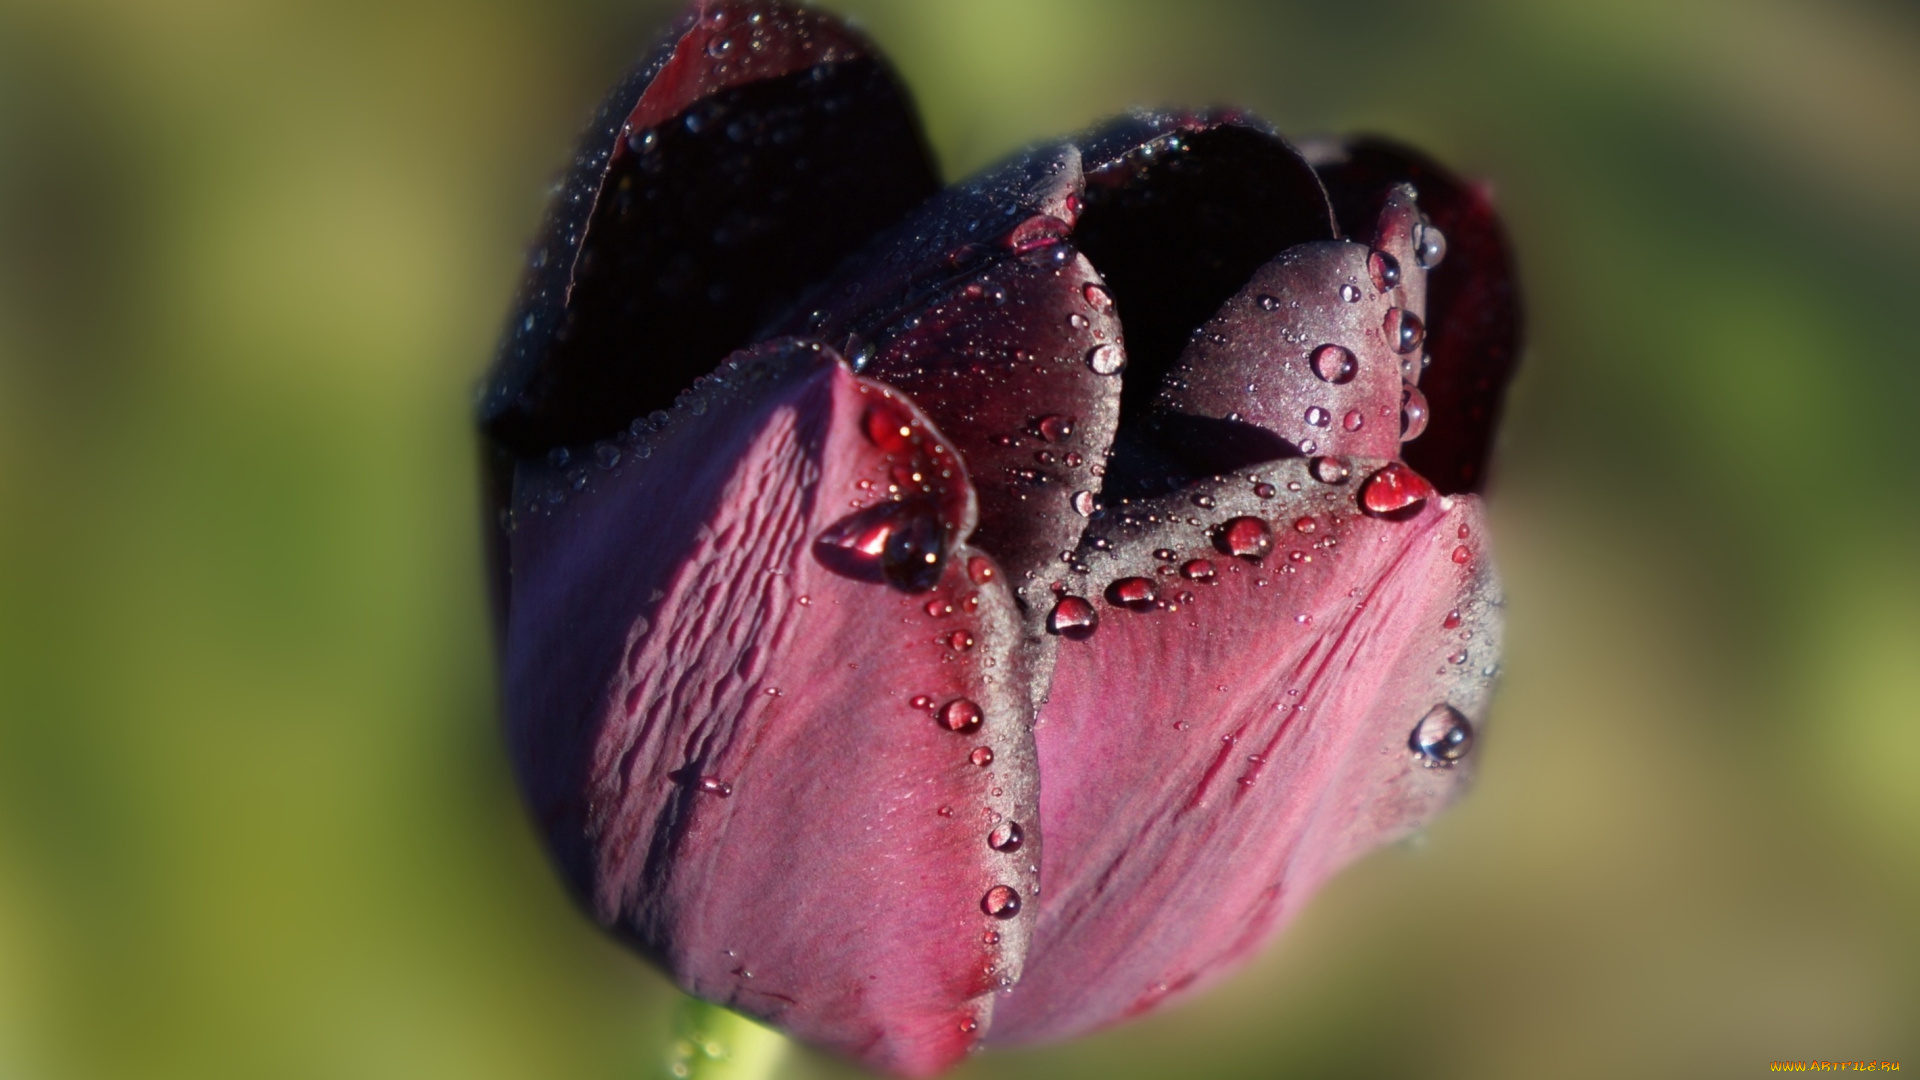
(254, 817)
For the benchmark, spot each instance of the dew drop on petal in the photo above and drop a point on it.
(1106, 359)
(713, 785)
(1248, 537)
(1335, 364)
(1053, 427)
(1329, 470)
(1350, 293)
(1395, 488)
(1082, 502)
(1404, 330)
(1005, 836)
(899, 543)
(1442, 737)
(1097, 296)
(1413, 412)
(1132, 593)
(961, 715)
(1385, 270)
(1001, 902)
(1452, 621)
(1197, 570)
(979, 569)
(1317, 416)
(1268, 302)
(981, 756)
(1073, 618)
(1430, 247)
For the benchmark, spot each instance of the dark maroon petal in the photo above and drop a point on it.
(1303, 687)
(750, 664)
(979, 308)
(1313, 350)
(1181, 209)
(757, 146)
(1474, 324)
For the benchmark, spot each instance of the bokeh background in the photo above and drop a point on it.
(254, 816)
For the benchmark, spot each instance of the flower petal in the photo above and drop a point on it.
(1474, 331)
(1181, 209)
(1242, 724)
(755, 147)
(767, 714)
(979, 308)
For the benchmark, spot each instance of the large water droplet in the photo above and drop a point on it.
(1248, 537)
(1054, 427)
(1097, 296)
(1005, 836)
(1132, 593)
(1385, 270)
(1354, 420)
(1001, 902)
(1404, 330)
(1442, 737)
(1106, 359)
(961, 715)
(1083, 503)
(980, 569)
(1430, 247)
(1335, 364)
(981, 756)
(1395, 489)
(1197, 570)
(1350, 293)
(1317, 416)
(897, 543)
(1073, 618)
(1329, 470)
(889, 428)
(1413, 412)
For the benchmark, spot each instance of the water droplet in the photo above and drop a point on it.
(1132, 593)
(1248, 537)
(1430, 247)
(1083, 503)
(979, 569)
(1413, 412)
(899, 543)
(1077, 321)
(1305, 524)
(1317, 416)
(1350, 293)
(1404, 330)
(991, 937)
(1335, 364)
(1395, 489)
(1054, 427)
(1265, 490)
(1462, 553)
(1353, 421)
(1385, 270)
(889, 428)
(1001, 902)
(961, 715)
(713, 785)
(981, 756)
(1452, 621)
(1106, 359)
(1005, 836)
(1197, 569)
(938, 608)
(1097, 296)
(1163, 554)
(968, 1025)
(1329, 470)
(1268, 302)
(922, 701)
(960, 640)
(1442, 737)
(1073, 618)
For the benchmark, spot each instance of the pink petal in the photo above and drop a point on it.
(754, 758)
(1240, 726)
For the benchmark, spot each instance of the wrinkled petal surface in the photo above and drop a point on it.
(1241, 726)
(773, 770)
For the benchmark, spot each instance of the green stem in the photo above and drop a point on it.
(712, 1043)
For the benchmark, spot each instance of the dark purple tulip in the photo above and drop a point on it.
(1123, 496)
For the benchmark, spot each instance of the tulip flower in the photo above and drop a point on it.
(942, 617)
